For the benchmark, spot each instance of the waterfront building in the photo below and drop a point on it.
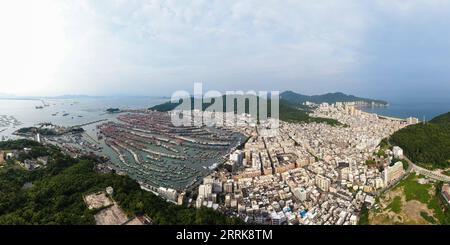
(237, 157)
(412, 120)
(168, 193)
(181, 198)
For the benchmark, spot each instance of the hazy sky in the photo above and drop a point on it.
(100, 47)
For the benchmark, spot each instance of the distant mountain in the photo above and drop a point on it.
(3, 95)
(426, 144)
(288, 111)
(330, 98)
(74, 96)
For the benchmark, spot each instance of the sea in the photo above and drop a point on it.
(18, 113)
(15, 114)
(421, 109)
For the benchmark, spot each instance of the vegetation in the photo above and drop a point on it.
(364, 216)
(427, 217)
(432, 208)
(46, 131)
(381, 153)
(405, 164)
(413, 190)
(18, 144)
(164, 107)
(440, 206)
(33, 130)
(113, 110)
(371, 162)
(56, 194)
(384, 145)
(330, 98)
(396, 205)
(288, 112)
(426, 144)
(446, 172)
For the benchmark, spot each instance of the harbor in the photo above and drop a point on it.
(149, 148)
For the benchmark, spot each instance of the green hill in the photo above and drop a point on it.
(427, 144)
(441, 119)
(296, 98)
(289, 112)
(55, 193)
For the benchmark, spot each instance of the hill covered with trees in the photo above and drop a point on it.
(296, 98)
(289, 112)
(427, 144)
(54, 194)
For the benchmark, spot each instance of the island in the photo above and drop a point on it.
(113, 110)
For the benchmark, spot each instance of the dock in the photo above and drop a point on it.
(89, 123)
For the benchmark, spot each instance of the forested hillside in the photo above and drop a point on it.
(427, 144)
(53, 195)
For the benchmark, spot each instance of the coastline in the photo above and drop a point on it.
(424, 111)
(362, 109)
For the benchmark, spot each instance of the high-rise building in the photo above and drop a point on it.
(398, 152)
(299, 193)
(38, 138)
(323, 182)
(228, 187)
(181, 198)
(412, 120)
(393, 172)
(237, 157)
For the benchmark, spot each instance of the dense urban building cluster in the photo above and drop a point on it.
(266, 172)
(307, 173)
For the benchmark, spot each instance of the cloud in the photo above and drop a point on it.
(219, 41)
(157, 46)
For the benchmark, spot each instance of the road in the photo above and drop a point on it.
(407, 172)
(413, 167)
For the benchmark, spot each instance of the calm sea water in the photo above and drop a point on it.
(413, 108)
(65, 112)
(84, 110)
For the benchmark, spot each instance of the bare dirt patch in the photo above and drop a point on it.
(97, 200)
(111, 216)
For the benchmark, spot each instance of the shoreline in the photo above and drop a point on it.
(361, 108)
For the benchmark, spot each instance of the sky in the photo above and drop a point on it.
(382, 49)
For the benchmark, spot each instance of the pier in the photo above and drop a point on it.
(89, 123)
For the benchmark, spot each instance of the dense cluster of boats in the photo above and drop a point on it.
(148, 147)
(8, 121)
